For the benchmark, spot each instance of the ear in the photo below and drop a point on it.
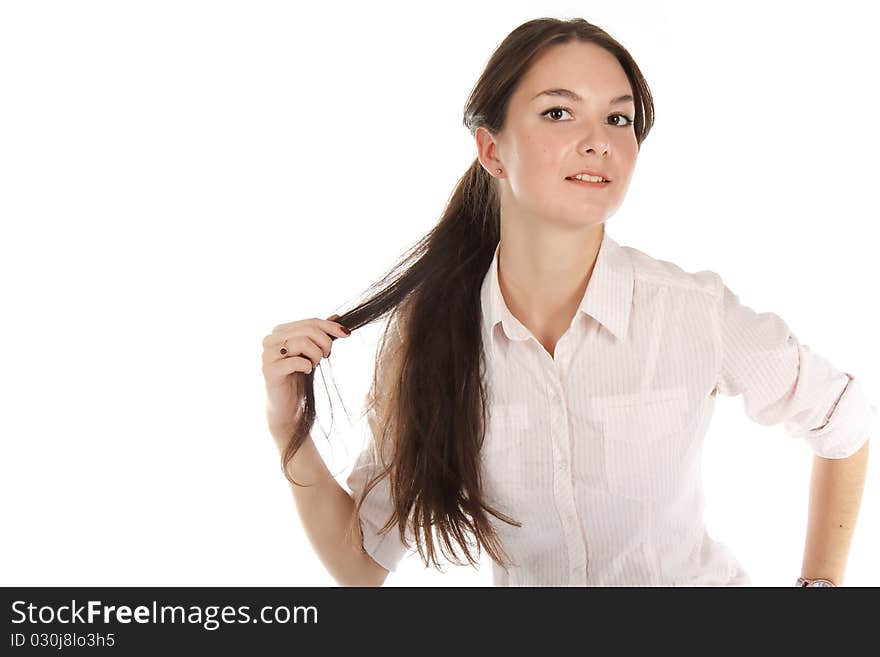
(487, 150)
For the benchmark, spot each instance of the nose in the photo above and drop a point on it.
(600, 148)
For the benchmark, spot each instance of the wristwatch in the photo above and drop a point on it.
(814, 582)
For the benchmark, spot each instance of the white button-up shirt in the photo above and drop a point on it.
(596, 450)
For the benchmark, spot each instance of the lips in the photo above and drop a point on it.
(587, 183)
(588, 173)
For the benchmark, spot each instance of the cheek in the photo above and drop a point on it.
(629, 152)
(536, 167)
(534, 154)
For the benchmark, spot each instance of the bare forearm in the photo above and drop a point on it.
(325, 509)
(836, 487)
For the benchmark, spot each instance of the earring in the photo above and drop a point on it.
(497, 170)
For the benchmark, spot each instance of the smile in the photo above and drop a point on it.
(583, 183)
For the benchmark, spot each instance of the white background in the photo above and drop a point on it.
(176, 178)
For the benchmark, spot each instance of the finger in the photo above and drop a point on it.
(309, 350)
(275, 341)
(338, 329)
(313, 347)
(285, 366)
(320, 339)
(333, 328)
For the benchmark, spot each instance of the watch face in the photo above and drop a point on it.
(820, 582)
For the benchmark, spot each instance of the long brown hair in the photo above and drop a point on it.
(429, 377)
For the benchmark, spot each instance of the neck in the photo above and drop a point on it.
(543, 279)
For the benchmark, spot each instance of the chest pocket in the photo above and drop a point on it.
(643, 447)
(506, 449)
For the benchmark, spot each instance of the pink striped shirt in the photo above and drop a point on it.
(596, 450)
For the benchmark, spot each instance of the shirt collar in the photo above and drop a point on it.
(607, 299)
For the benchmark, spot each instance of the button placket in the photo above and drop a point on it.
(563, 487)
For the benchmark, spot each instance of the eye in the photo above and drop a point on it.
(623, 116)
(555, 109)
(563, 109)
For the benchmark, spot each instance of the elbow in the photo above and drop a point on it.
(376, 574)
(373, 581)
(370, 575)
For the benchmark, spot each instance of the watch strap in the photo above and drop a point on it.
(802, 582)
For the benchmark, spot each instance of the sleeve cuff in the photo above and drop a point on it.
(386, 550)
(852, 423)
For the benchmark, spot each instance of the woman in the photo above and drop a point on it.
(541, 391)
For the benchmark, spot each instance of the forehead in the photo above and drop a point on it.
(585, 68)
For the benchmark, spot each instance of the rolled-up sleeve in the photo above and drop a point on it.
(386, 549)
(784, 381)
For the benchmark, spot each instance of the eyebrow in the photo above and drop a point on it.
(567, 93)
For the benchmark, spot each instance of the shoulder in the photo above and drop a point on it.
(655, 272)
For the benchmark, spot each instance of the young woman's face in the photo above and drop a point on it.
(549, 137)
